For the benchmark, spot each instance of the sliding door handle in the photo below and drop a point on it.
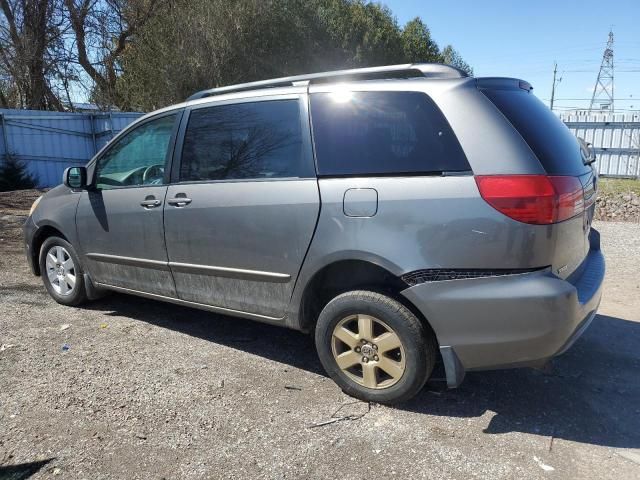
(179, 201)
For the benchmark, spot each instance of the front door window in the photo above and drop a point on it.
(138, 158)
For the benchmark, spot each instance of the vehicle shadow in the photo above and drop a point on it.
(272, 342)
(22, 471)
(590, 394)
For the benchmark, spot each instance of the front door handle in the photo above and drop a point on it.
(150, 203)
(179, 200)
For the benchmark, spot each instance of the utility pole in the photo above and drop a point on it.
(553, 86)
(603, 89)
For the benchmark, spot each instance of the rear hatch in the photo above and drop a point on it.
(565, 196)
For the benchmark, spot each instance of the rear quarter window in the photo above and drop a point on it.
(550, 140)
(382, 133)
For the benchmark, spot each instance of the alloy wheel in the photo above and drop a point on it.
(368, 351)
(61, 271)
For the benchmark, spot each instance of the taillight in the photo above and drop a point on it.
(535, 199)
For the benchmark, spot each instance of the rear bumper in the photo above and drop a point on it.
(513, 320)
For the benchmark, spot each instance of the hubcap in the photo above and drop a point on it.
(61, 271)
(368, 351)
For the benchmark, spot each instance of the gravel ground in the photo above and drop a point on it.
(152, 390)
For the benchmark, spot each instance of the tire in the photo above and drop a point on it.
(388, 375)
(63, 280)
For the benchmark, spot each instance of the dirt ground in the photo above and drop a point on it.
(131, 388)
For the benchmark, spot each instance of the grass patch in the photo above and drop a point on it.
(617, 186)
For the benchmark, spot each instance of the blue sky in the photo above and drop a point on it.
(523, 39)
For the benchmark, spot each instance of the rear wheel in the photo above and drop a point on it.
(61, 272)
(374, 348)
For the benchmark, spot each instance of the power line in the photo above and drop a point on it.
(559, 108)
(623, 70)
(587, 99)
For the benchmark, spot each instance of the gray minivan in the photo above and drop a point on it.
(402, 214)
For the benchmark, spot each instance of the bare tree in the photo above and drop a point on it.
(52, 49)
(102, 30)
(28, 29)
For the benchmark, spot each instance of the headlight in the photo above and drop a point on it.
(35, 204)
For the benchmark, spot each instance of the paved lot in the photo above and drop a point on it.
(150, 390)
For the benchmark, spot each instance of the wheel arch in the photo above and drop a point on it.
(40, 236)
(344, 275)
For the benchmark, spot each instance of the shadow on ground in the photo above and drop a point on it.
(21, 471)
(590, 394)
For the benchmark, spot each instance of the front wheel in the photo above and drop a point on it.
(374, 348)
(61, 272)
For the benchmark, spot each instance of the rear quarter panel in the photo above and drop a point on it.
(420, 223)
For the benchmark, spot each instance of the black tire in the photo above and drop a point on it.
(418, 345)
(77, 294)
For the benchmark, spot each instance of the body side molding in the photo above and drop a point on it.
(238, 273)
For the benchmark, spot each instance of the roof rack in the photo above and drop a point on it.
(430, 70)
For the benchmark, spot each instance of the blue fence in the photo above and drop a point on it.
(48, 142)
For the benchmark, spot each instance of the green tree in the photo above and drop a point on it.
(417, 44)
(360, 33)
(451, 56)
(14, 175)
(228, 41)
(198, 44)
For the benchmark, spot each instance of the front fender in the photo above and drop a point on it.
(56, 212)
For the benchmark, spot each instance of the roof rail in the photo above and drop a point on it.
(430, 70)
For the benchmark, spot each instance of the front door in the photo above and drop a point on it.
(119, 220)
(241, 213)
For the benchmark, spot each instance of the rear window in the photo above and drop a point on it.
(555, 146)
(382, 133)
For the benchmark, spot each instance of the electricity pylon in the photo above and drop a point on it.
(603, 90)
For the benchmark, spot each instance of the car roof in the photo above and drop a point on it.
(409, 70)
(375, 78)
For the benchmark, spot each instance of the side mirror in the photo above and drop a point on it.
(588, 155)
(75, 178)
